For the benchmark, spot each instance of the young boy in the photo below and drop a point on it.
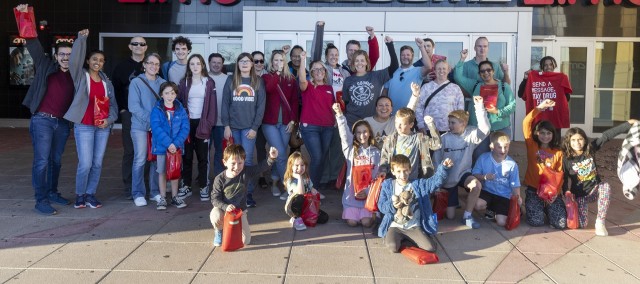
(419, 223)
(230, 188)
(500, 178)
(413, 145)
(458, 145)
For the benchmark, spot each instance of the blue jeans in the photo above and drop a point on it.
(48, 136)
(278, 137)
(240, 137)
(138, 189)
(91, 143)
(217, 135)
(317, 140)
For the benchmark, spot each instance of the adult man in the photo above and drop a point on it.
(470, 68)
(174, 70)
(398, 88)
(216, 64)
(48, 99)
(429, 46)
(122, 75)
(353, 45)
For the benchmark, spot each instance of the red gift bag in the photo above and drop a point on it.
(374, 194)
(550, 183)
(26, 23)
(361, 178)
(174, 164)
(310, 209)
(513, 217)
(572, 210)
(440, 203)
(150, 156)
(339, 100)
(419, 255)
(342, 177)
(100, 110)
(227, 142)
(232, 230)
(489, 94)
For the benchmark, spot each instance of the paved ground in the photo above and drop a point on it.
(121, 243)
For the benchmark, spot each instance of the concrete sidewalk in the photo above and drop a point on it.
(121, 243)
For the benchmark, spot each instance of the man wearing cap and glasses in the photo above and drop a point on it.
(121, 76)
(48, 99)
(398, 88)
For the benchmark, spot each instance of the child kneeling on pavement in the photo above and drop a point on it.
(407, 208)
(230, 189)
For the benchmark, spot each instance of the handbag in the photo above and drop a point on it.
(174, 164)
(232, 230)
(151, 157)
(550, 183)
(572, 210)
(371, 203)
(513, 217)
(440, 203)
(310, 209)
(26, 22)
(295, 140)
(419, 255)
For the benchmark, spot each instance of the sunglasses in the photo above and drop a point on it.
(135, 43)
(401, 76)
(261, 61)
(485, 70)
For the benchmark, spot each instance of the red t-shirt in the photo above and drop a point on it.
(98, 108)
(316, 105)
(549, 85)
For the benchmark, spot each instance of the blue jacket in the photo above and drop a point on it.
(423, 188)
(164, 133)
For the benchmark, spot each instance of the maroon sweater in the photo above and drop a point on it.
(275, 104)
(59, 94)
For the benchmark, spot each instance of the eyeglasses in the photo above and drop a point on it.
(261, 61)
(244, 61)
(485, 71)
(317, 70)
(135, 43)
(64, 54)
(401, 76)
(153, 64)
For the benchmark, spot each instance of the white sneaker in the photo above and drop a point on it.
(601, 229)
(322, 196)
(204, 194)
(156, 198)
(284, 196)
(299, 225)
(140, 201)
(292, 220)
(275, 190)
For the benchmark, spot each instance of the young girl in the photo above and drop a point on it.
(580, 172)
(298, 183)
(363, 159)
(542, 151)
(243, 101)
(170, 128)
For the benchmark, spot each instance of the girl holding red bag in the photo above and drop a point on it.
(299, 186)
(581, 176)
(170, 128)
(543, 151)
(363, 158)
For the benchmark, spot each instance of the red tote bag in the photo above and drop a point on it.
(419, 255)
(150, 156)
(232, 230)
(361, 178)
(572, 210)
(440, 203)
(310, 209)
(513, 217)
(550, 183)
(342, 177)
(174, 165)
(226, 143)
(371, 203)
(26, 23)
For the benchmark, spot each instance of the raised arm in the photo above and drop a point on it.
(346, 137)
(374, 49)
(76, 60)
(426, 57)
(612, 133)
(302, 73)
(393, 66)
(458, 73)
(415, 96)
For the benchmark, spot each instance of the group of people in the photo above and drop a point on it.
(444, 135)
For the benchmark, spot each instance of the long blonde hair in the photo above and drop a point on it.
(288, 174)
(285, 73)
(237, 76)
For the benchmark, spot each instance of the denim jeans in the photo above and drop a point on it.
(127, 145)
(138, 189)
(278, 137)
(217, 135)
(91, 143)
(240, 137)
(49, 137)
(317, 140)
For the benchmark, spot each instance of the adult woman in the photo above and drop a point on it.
(197, 93)
(336, 74)
(281, 112)
(144, 91)
(363, 88)
(259, 63)
(560, 93)
(93, 111)
(383, 123)
(438, 98)
(243, 100)
(316, 120)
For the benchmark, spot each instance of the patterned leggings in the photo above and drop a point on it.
(601, 193)
(536, 207)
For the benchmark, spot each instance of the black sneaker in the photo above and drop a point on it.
(44, 207)
(80, 202)
(263, 182)
(490, 215)
(178, 202)
(250, 202)
(55, 197)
